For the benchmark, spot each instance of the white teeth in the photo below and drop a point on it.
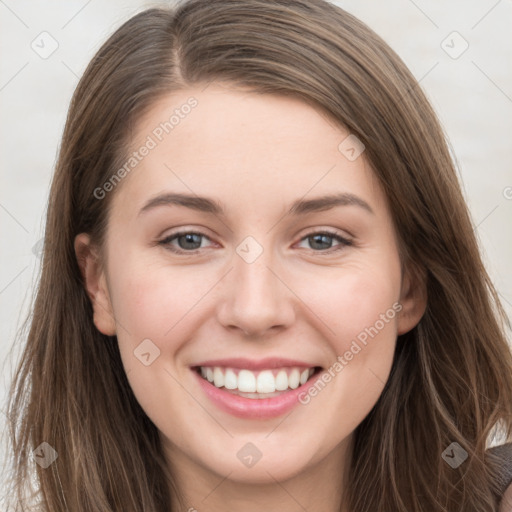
(293, 379)
(264, 382)
(230, 379)
(246, 381)
(281, 381)
(218, 377)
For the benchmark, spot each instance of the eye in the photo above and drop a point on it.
(322, 241)
(188, 241)
(191, 241)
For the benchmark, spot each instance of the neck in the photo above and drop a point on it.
(319, 487)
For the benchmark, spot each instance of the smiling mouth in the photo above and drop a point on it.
(257, 384)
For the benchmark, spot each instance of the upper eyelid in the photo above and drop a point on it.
(307, 231)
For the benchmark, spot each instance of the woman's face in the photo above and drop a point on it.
(261, 293)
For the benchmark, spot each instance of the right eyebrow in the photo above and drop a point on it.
(202, 204)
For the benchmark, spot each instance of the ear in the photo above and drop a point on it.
(95, 284)
(413, 298)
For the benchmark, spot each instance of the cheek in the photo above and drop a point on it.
(152, 313)
(355, 300)
(151, 300)
(361, 311)
(156, 308)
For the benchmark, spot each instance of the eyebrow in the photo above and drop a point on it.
(299, 207)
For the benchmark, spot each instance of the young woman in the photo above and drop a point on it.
(261, 288)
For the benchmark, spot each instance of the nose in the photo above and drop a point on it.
(255, 298)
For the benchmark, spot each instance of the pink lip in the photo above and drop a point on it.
(250, 364)
(254, 408)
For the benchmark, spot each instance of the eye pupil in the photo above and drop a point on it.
(318, 239)
(189, 238)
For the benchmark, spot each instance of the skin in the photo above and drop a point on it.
(255, 154)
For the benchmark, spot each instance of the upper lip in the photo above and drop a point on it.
(252, 364)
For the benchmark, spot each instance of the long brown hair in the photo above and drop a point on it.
(451, 379)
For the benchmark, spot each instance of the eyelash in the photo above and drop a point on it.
(344, 242)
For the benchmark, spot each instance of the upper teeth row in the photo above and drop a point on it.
(266, 381)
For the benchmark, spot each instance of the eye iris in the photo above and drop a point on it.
(192, 238)
(318, 239)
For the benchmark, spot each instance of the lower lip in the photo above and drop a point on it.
(254, 408)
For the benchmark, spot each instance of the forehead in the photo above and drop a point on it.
(242, 147)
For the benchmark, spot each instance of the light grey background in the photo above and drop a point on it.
(472, 95)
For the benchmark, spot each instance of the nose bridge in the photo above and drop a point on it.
(252, 264)
(256, 299)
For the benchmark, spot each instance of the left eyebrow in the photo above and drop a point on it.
(299, 207)
(323, 203)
